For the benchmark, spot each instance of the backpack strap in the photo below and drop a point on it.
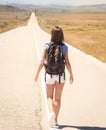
(64, 76)
(45, 76)
(60, 77)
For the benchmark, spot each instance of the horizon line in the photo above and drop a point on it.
(9, 3)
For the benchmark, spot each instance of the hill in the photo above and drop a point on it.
(12, 17)
(82, 8)
(10, 8)
(90, 8)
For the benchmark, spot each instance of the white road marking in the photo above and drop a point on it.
(41, 74)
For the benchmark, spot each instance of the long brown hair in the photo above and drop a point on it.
(57, 35)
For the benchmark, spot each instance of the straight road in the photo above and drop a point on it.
(21, 105)
(21, 100)
(83, 102)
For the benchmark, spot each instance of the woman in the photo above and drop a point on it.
(54, 88)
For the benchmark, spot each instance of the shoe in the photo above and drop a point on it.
(56, 125)
(52, 119)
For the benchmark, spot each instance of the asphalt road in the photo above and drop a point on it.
(20, 98)
(22, 104)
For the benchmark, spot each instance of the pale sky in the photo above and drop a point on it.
(61, 2)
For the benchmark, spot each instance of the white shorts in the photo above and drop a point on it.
(51, 79)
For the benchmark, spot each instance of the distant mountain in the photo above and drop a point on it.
(90, 8)
(83, 8)
(9, 8)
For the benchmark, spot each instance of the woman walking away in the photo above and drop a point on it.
(54, 59)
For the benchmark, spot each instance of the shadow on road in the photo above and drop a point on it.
(82, 127)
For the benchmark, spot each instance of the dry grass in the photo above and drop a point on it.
(85, 31)
(11, 17)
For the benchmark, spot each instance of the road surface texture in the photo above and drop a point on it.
(20, 98)
(22, 104)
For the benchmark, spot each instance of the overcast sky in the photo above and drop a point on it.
(63, 2)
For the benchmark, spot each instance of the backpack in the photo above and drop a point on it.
(55, 62)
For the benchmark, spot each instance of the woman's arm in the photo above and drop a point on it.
(68, 66)
(40, 66)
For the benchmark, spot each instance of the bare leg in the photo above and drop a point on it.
(50, 93)
(57, 98)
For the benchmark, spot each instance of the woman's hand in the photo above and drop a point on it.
(36, 78)
(71, 79)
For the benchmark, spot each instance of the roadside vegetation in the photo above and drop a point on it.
(12, 17)
(83, 30)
